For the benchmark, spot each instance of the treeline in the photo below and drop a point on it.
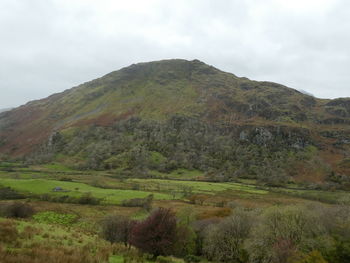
(135, 146)
(293, 234)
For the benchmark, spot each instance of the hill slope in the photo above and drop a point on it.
(172, 96)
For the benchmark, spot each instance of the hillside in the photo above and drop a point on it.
(165, 115)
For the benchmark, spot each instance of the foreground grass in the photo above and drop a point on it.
(28, 241)
(116, 259)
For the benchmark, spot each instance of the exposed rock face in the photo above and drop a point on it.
(276, 135)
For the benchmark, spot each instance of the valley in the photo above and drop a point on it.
(63, 219)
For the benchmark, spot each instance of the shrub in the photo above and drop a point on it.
(7, 193)
(88, 199)
(17, 210)
(145, 203)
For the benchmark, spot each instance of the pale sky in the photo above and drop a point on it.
(47, 46)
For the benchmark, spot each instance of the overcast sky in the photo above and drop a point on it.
(47, 46)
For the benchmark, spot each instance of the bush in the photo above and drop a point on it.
(17, 210)
(7, 193)
(145, 203)
(88, 199)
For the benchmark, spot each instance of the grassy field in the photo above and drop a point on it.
(336, 197)
(113, 191)
(195, 186)
(39, 180)
(74, 189)
(181, 174)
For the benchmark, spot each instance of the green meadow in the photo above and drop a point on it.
(74, 189)
(195, 186)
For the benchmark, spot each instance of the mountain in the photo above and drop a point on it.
(180, 113)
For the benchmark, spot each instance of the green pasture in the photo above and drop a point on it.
(44, 186)
(194, 186)
(333, 197)
(179, 174)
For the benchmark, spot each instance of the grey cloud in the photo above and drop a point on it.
(48, 46)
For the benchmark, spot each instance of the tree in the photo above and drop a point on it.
(282, 232)
(186, 237)
(116, 228)
(200, 229)
(156, 234)
(224, 241)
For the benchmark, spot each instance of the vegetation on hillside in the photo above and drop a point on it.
(185, 114)
(137, 147)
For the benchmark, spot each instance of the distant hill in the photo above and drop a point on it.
(178, 113)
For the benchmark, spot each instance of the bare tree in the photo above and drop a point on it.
(224, 241)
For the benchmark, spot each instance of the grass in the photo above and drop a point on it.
(174, 185)
(195, 187)
(116, 259)
(74, 189)
(56, 167)
(180, 174)
(44, 241)
(61, 234)
(336, 197)
(8, 164)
